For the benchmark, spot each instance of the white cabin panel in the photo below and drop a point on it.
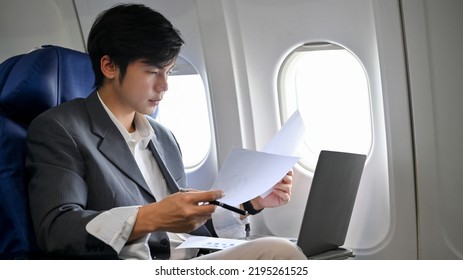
(26, 25)
(434, 39)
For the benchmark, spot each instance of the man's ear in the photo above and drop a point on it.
(108, 68)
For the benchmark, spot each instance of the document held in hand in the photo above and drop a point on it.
(246, 174)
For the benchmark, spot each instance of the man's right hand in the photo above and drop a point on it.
(179, 212)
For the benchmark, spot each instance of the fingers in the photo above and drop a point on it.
(284, 195)
(286, 188)
(288, 178)
(283, 188)
(204, 196)
(285, 184)
(179, 212)
(195, 202)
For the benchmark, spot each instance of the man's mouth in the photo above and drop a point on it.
(155, 101)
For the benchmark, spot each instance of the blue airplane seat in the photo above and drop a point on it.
(30, 84)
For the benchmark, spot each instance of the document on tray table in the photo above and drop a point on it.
(246, 174)
(211, 243)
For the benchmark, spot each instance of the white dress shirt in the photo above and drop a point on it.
(115, 225)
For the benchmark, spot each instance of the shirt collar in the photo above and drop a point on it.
(144, 131)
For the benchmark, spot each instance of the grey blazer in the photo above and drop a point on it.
(79, 165)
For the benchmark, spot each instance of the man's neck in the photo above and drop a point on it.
(125, 117)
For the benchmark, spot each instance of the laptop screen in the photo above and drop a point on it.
(330, 202)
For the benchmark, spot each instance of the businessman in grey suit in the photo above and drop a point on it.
(105, 177)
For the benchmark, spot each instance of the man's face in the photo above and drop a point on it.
(143, 86)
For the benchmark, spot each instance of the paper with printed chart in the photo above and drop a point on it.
(247, 174)
(211, 243)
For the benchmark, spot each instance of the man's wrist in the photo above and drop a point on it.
(249, 207)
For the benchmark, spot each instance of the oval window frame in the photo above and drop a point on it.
(184, 67)
(289, 105)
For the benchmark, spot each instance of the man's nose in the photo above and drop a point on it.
(162, 85)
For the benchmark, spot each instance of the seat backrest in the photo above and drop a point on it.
(30, 84)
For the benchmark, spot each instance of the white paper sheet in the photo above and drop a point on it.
(211, 243)
(247, 174)
(286, 141)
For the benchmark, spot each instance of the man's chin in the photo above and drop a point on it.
(151, 111)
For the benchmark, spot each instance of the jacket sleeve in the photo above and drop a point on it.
(58, 192)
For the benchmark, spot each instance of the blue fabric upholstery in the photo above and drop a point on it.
(30, 84)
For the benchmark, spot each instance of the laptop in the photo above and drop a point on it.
(330, 204)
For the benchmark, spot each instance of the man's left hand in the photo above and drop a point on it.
(280, 195)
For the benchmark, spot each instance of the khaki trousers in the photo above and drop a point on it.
(266, 248)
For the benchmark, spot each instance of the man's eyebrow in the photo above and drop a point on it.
(150, 65)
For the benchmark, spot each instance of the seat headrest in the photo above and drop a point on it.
(34, 82)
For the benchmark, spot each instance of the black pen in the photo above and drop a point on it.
(229, 207)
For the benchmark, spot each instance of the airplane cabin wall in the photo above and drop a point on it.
(238, 47)
(435, 60)
(25, 25)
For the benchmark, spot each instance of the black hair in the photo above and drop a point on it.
(129, 32)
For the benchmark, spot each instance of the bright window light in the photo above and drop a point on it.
(329, 87)
(185, 112)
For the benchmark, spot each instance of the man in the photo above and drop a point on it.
(105, 178)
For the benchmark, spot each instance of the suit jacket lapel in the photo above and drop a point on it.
(112, 144)
(158, 153)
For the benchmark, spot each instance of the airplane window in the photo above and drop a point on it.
(184, 111)
(329, 87)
